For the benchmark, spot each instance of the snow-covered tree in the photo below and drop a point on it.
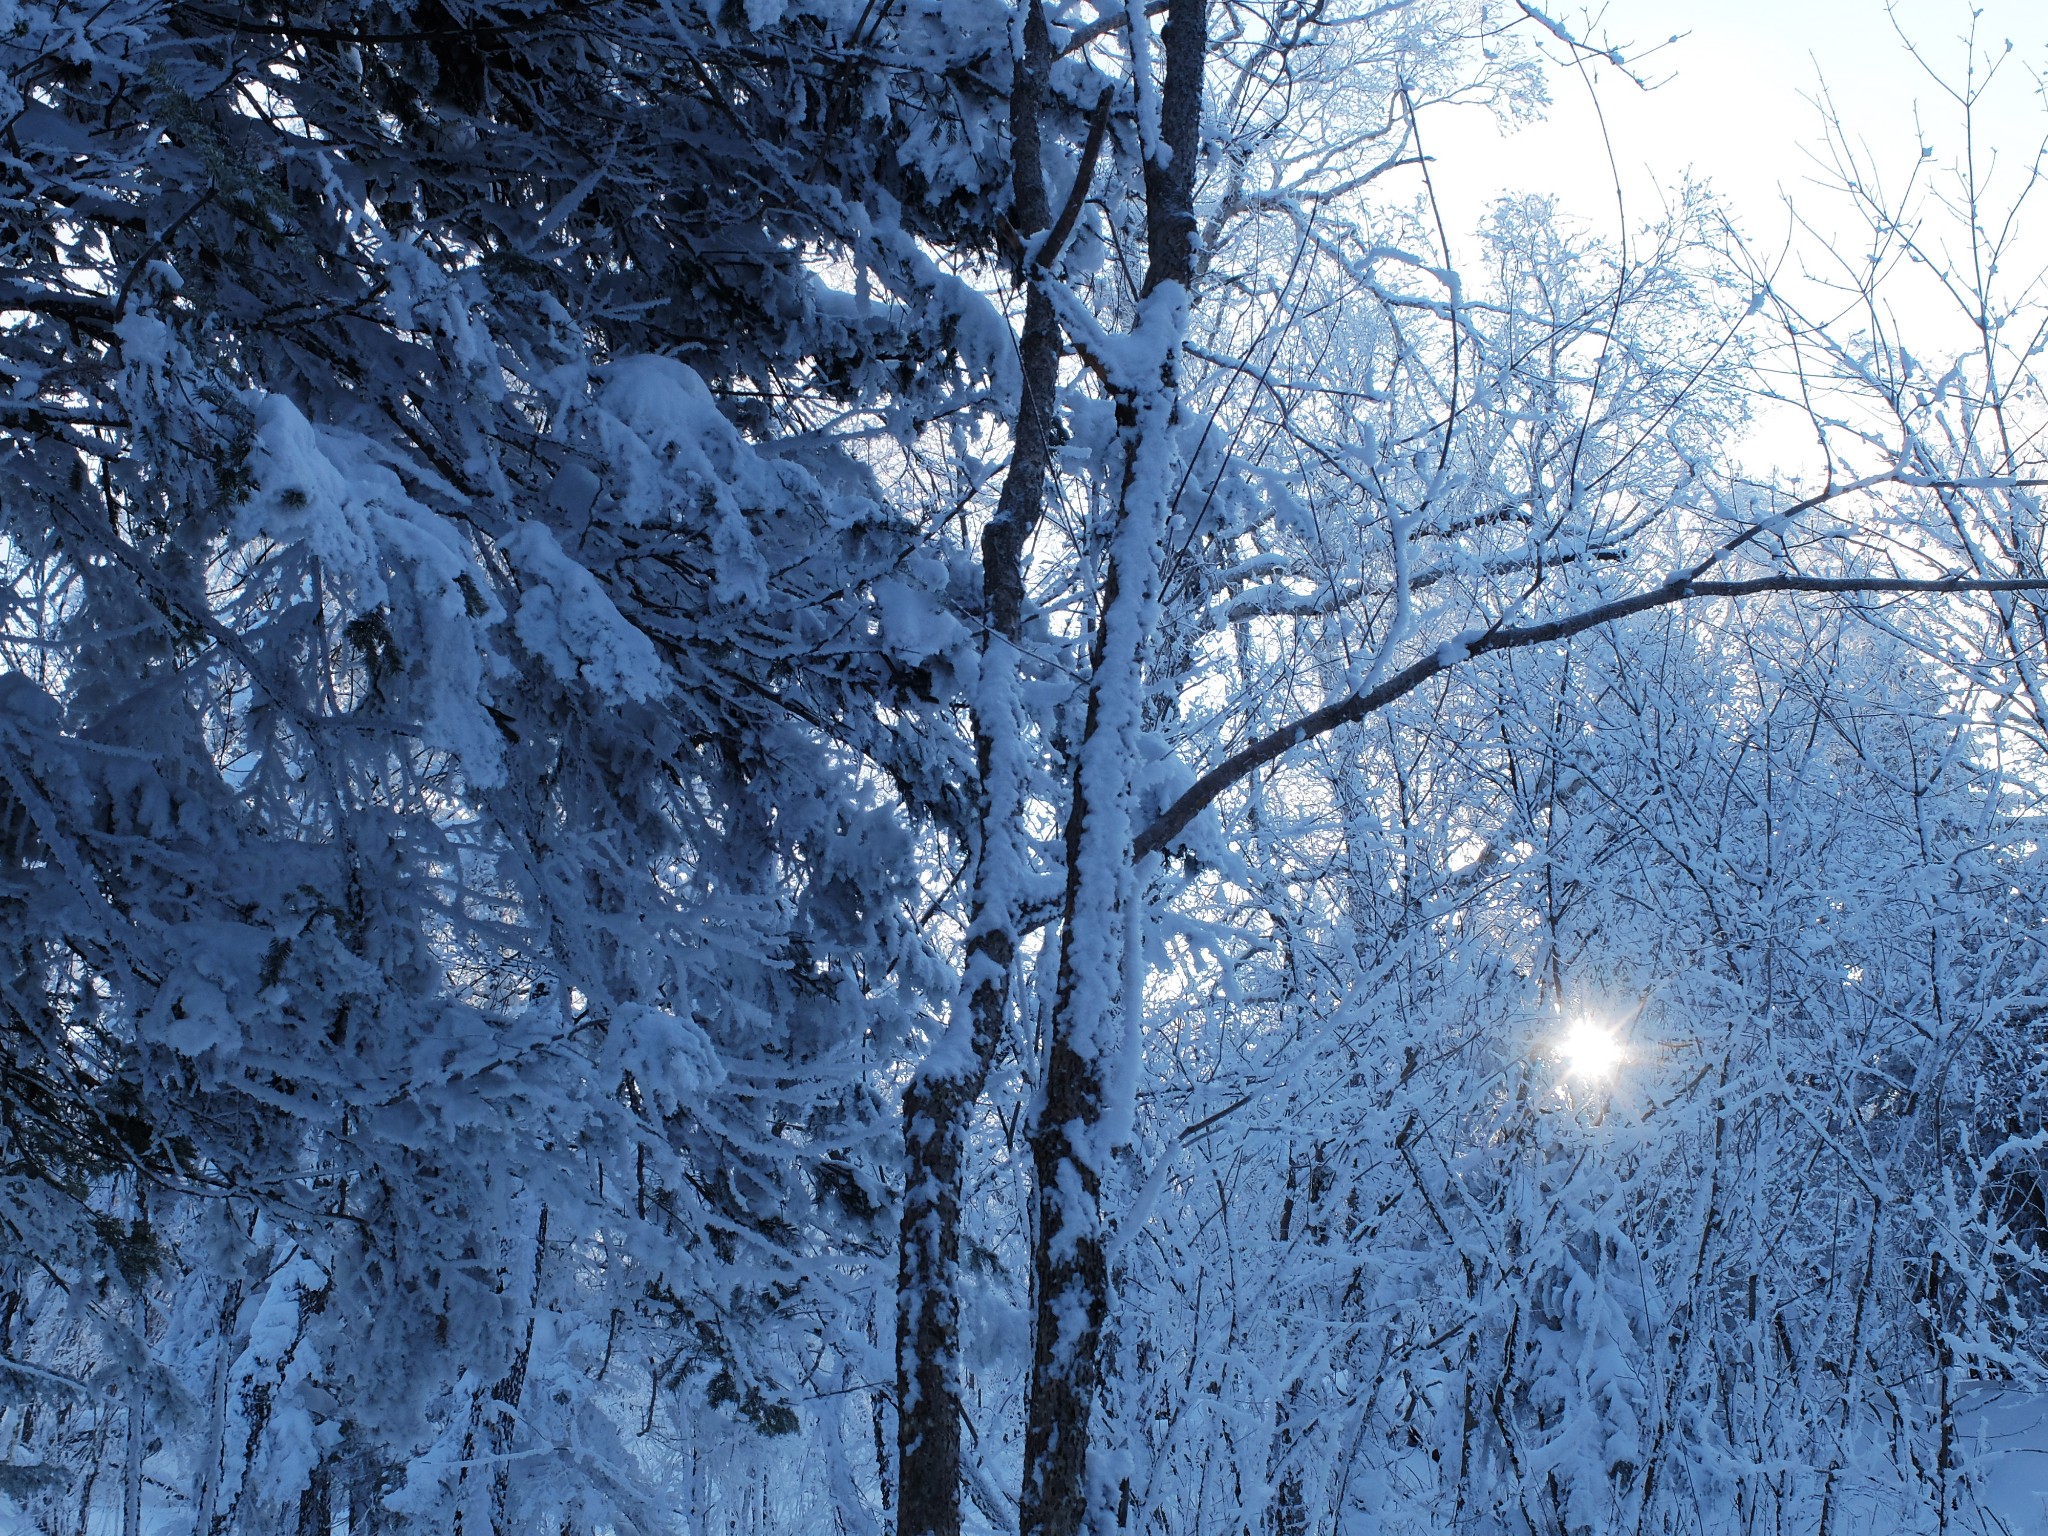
(798, 764)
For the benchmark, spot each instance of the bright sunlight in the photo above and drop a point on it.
(1590, 1050)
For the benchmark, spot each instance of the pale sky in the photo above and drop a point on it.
(1732, 100)
(1733, 104)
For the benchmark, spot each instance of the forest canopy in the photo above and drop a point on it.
(811, 766)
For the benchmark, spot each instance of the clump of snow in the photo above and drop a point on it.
(302, 496)
(670, 1057)
(567, 620)
(914, 625)
(337, 497)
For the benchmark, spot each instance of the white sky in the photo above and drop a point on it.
(1733, 103)
(1732, 100)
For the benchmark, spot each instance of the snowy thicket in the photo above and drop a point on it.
(834, 767)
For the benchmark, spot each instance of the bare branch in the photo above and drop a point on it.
(1355, 707)
(1049, 251)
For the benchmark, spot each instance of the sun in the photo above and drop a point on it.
(1590, 1050)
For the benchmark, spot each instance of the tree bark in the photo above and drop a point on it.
(941, 1098)
(1081, 1113)
(316, 1503)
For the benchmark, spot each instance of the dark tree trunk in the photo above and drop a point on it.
(316, 1503)
(1069, 1143)
(937, 1106)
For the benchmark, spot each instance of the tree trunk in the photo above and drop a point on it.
(227, 1344)
(939, 1101)
(1082, 1114)
(316, 1503)
(511, 1388)
(365, 1484)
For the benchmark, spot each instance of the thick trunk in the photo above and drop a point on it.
(935, 1111)
(227, 1344)
(1082, 1113)
(1069, 1272)
(316, 1503)
(939, 1102)
(510, 1388)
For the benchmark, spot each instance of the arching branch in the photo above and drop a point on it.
(1203, 793)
